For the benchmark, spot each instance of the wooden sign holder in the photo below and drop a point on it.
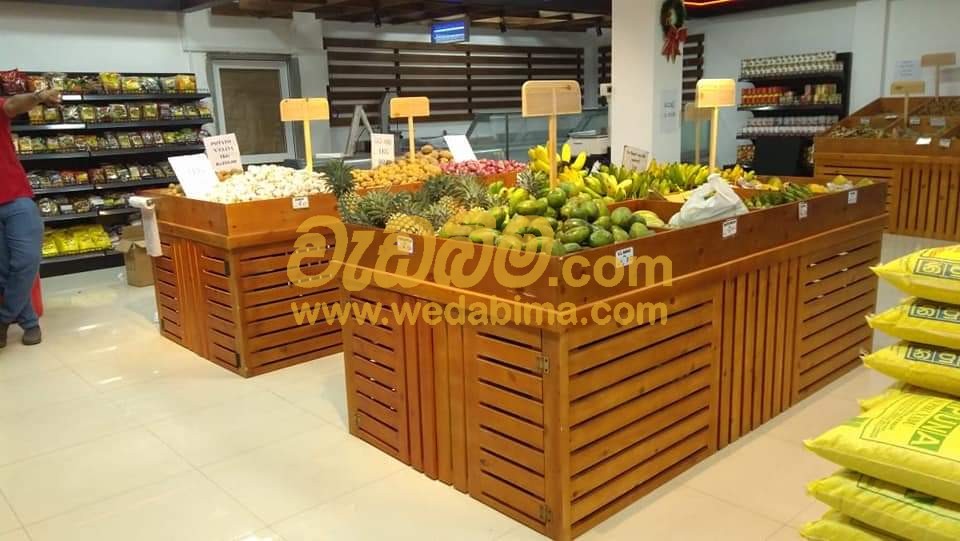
(551, 99)
(907, 89)
(410, 108)
(692, 113)
(937, 61)
(713, 94)
(305, 110)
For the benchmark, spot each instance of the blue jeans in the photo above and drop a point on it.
(21, 237)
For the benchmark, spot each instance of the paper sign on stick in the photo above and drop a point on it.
(460, 147)
(549, 99)
(410, 108)
(937, 61)
(195, 173)
(715, 93)
(634, 158)
(305, 110)
(382, 149)
(223, 151)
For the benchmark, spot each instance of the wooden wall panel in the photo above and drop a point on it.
(757, 353)
(460, 80)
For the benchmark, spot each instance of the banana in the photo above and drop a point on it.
(541, 165)
(580, 161)
(565, 153)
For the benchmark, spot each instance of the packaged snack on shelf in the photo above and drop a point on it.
(82, 177)
(124, 139)
(74, 85)
(13, 82)
(123, 174)
(166, 111)
(110, 173)
(97, 175)
(92, 85)
(68, 178)
(134, 113)
(58, 81)
(136, 140)
(52, 144)
(53, 180)
(66, 207)
(204, 110)
(66, 242)
(158, 137)
(130, 85)
(81, 205)
(921, 321)
(51, 115)
(912, 441)
(110, 82)
(71, 113)
(24, 144)
(67, 142)
(35, 179)
(176, 112)
(932, 274)
(35, 115)
(40, 144)
(150, 85)
(835, 526)
(929, 367)
(134, 172)
(190, 110)
(118, 112)
(169, 85)
(88, 113)
(147, 138)
(151, 111)
(186, 83)
(112, 142)
(169, 137)
(36, 83)
(104, 114)
(49, 247)
(888, 507)
(48, 207)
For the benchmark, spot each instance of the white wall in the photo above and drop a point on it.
(918, 27)
(818, 26)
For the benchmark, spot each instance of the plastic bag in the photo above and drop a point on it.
(835, 526)
(912, 441)
(713, 200)
(921, 321)
(932, 274)
(888, 507)
(925, 366)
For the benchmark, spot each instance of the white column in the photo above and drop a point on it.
(643, 80)
(311, 61)
(869, 52)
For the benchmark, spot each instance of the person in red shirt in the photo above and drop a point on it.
(21, 228)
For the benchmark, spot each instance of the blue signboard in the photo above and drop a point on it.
(450, 31)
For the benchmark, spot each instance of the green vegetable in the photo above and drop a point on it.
(619, 235)
(621, 217)
(600, 237)
(556, 198)
(576, 235)
(603, 222)
(638, 230)
(531, 208)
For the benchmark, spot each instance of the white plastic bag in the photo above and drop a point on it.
(713, 200)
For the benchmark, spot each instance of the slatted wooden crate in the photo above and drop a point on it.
(222, 286)
(560, 428)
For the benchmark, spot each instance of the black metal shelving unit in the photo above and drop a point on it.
(785, 154)
(68, 264)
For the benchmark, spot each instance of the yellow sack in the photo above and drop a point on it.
(921, 321)
(891, 508)
(895, 390)
(932, 368)
(836, 527)
(912, 441)
(932, 274)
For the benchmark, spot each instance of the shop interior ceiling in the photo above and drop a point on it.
(558, 15)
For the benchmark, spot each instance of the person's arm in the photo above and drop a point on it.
(21, 103)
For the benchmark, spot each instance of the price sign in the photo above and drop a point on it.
(301, 202)
(223, 151)
(381, 149)
(852, 197)
(716, 93)
(405, 244)
(460, 147)
(624, 256)
(195, 173)
(914, 121)
(924, 141)
(864, 121)
(938, 121)
(802, 210)
(634, 158)
(729, 228)
(945, 142)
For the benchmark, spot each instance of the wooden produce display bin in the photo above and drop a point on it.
(222, 288)
(924, 180)
(562, 427)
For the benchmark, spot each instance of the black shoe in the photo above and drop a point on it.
(3, 334)
(32, 336)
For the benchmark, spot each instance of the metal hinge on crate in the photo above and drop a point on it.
(543, 363)
(546, 515)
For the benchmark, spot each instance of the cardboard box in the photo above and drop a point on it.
(134, 249)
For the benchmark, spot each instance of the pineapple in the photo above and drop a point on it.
(413, 225)
(440, 212)
(339, 177)
(535, 182)
(348, 205)
(472, 193)
(374, 208)
(435, 188)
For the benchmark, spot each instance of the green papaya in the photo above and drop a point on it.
(576, 235)
(485, 236)
(638, 230)
(600, 237)
(531, 208)
(621, 217)
(510, 242)
(556, 198)
(540, 227)
(516, 225)
(619, 235)
(572, 247)
(574, 223)
(592, 211)
(603, 222)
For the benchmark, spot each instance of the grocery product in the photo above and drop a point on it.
(925, 366)
(834, 526)
(912, 440)
(788, 193)
(925, 322)
(483, 168)
(405, 223)
(75, 240)
(932, 274)
(888, 507)
(260, 182)
(403, 171)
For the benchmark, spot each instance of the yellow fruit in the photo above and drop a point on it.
(565, 153)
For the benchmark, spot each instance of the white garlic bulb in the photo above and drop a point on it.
(261, 182)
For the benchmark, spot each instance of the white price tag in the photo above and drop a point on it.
(624, 256)
(938, 121)
(634, 158)
(195, 173)
(223, 151)
(405, 244)
(924, 141)
(802, 210)
(595, 168)
(853, 196)
(381, 149)
(729, 228)
(301, 202)
(460, 147)
(946, 142)
(914, 121)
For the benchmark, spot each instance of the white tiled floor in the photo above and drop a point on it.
(108, 432)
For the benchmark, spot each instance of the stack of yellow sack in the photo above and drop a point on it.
(75, 240)
(902, 454)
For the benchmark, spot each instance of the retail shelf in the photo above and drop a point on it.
(119, 211)
(28, 128)
(145, 150)
(149, 124)
(53, 156)
(64, 189)
(133, 97)
(107, 186)
(818, 107)
(70, 217)
(754, 137)
(795, 78)
(78, 257)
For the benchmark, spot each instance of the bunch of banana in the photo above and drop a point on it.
(540, 159)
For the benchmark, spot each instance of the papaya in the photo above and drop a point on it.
(485, 236)
(600, 237)
(531, 208)
(576, 235)
(619, 235)
(621, 217)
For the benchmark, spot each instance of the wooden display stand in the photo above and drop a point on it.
(924, 179)
(560, 428)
